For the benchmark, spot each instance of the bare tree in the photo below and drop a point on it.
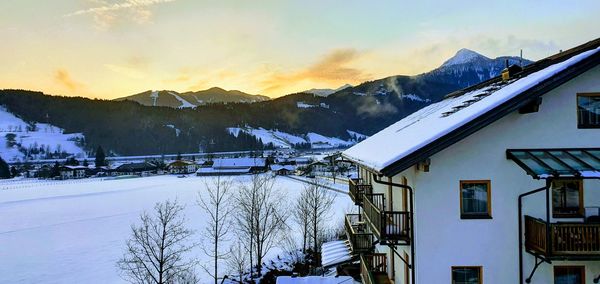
(156, 250)
(238, 260)
(319, 201)
(261, 216)
(216, 204)
(301, 216)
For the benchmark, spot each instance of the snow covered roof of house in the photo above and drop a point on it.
(74, 167)
(335, 252)
(314, 280)
(439, 125)
(280, 167)
(239, 162)
(181, 163)
(223, 171)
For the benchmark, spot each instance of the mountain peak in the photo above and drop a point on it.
(462, 56)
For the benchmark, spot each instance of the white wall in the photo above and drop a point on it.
(444, 240)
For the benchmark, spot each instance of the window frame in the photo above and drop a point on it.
(488, 214)
(479, 268)
(581, 269)
(584, 126)
(581, 212)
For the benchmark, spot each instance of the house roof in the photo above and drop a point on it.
(239, 162)
(144, 166)
(439, 125)
(180, 163)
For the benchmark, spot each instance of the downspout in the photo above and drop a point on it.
(520, 213)
(412, 228)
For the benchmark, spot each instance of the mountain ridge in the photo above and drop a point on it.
(192, 99)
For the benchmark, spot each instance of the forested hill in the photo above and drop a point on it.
(129, 128)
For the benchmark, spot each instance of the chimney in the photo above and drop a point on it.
(510, 71)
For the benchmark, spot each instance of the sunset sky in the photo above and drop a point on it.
(115, 48)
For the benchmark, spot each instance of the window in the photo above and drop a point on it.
(466, 275)
(567, 199)
(475, 199)
(569, 274)
(588, 110)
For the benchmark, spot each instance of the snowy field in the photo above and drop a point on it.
(75, 231)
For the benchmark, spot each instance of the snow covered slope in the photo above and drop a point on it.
(284, 140)
(20, 141)
(75, 231)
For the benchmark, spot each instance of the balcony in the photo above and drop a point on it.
(361, 241)
(358, 187)
(373, 269)
(390, 227)
(563, 241)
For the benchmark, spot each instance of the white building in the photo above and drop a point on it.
(70, 172)
(499, 182)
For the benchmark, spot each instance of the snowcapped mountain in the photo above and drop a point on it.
(192, 99)
(326, 92)
(464, 56)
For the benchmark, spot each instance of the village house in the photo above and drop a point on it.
(497, 183)
(182, 167)
(318, 167)
(282, 170)
(141, 169)
(71, 172)
(234, 166)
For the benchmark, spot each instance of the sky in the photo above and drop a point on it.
(114, 48)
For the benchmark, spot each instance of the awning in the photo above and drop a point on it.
(556, 163)
(334, 253)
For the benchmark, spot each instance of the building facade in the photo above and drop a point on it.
(501, 188)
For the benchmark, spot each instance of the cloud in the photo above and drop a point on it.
(333, 67)
(62, 77)
(107, 14)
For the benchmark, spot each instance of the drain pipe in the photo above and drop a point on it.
(520, 213)
(412, 228)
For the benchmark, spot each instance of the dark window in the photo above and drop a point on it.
(588, 110)
(569, 275)
(466, 275)
(475, 199)
(567, 199)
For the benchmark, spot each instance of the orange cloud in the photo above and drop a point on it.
(63, 78)
(333, 67)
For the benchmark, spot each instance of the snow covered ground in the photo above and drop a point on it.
(287, 141)
(74, 231)
(45, 136)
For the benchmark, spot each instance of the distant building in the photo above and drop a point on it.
(282, 170)
(234, 166)
(182, 167)
(318, 167)
(71, 172)
(142, 169)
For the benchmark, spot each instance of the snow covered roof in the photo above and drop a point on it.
(280, 167)
(213, 171)
(239, 162)
(335, 252)
(314, 280)
(402, 144)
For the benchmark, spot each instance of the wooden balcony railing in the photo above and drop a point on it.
(388, 226)
(566, 240)
(361, 241)
(357, 187)
(373, 269)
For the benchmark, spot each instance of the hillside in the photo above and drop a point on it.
(192, 99)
